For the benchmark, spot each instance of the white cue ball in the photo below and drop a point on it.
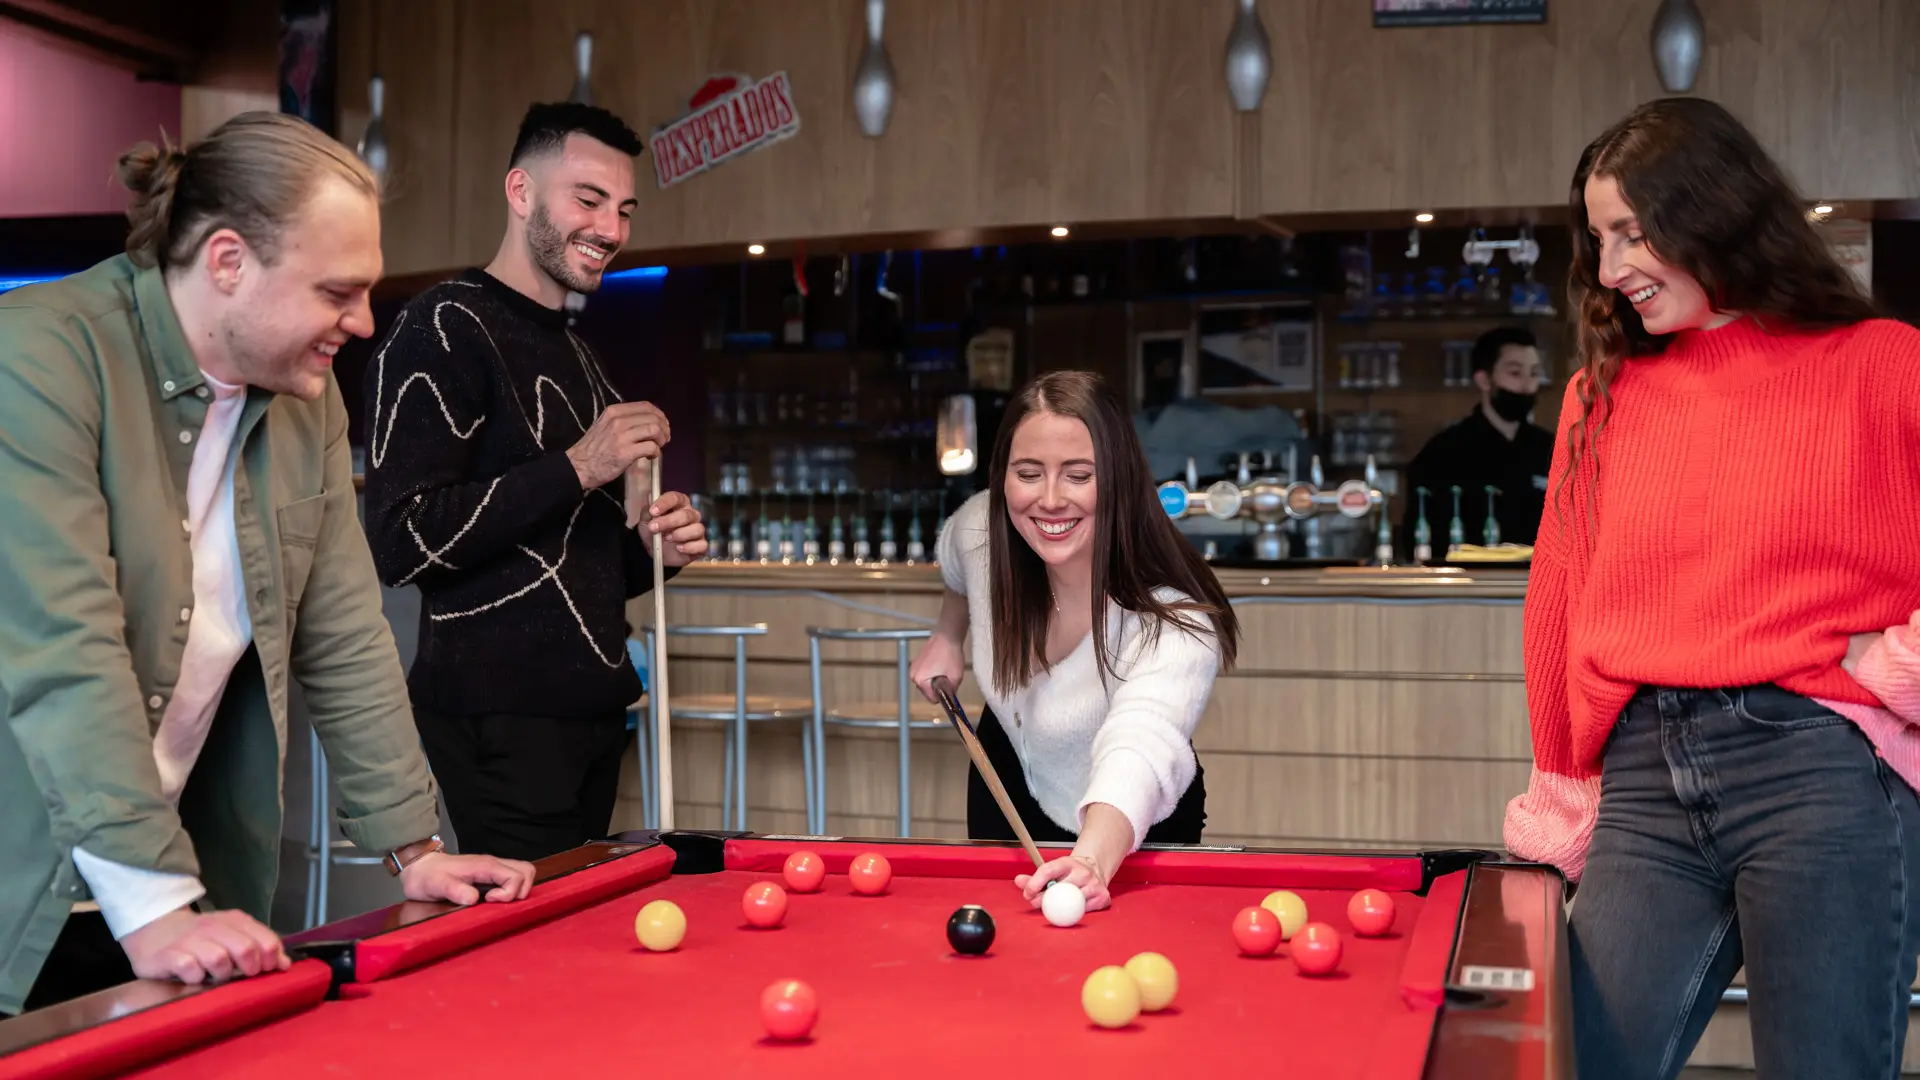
(1063, 904)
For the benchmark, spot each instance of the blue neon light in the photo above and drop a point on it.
(638, 273)
(9, 283)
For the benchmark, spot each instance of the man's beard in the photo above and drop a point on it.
(550, 252)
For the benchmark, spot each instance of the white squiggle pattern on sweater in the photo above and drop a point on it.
(597, 382)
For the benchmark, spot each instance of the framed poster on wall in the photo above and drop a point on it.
(1163, 368)
(307, 57)
(1258, 348)
(1457, 12)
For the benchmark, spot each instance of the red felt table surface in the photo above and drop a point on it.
(578, 997)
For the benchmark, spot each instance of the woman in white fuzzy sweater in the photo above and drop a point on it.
(1090, 732)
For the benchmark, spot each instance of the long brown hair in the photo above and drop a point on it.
(252, 174)
(1711, 202)
(1136, 548)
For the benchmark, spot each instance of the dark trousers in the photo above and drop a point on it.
(85, 959)
(986, 822)
(525, 787)
(1746, 826)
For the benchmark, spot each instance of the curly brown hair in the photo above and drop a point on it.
(1711, 202)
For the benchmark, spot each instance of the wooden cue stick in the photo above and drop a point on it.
(958, 718)
(662, 713)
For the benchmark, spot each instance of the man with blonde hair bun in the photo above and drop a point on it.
(181, 540)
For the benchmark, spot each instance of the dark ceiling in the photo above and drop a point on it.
(164, 40)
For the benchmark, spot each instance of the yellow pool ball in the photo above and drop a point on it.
(1111, 997)
(1156, 978)
(660, 926)
(1290, 909)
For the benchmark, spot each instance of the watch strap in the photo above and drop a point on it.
(401, 858)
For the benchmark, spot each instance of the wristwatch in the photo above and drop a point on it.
(401, 858)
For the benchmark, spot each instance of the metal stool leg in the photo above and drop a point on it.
(726, 782)
(906, 745)
(323, 800)
(814, 737)
(740, 730)
(316, 828)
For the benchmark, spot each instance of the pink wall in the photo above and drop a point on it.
(64, 120)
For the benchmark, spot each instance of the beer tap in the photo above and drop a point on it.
(1274, 502)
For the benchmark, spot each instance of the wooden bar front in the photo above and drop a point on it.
(1370, 708)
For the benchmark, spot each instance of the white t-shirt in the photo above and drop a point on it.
(219, 630)
(1126, 741)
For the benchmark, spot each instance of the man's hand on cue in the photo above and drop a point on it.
(674, 518)
(625, 433)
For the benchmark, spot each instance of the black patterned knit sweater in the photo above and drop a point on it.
(471, 403)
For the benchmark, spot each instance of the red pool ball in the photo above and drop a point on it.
(1257, 931)
(1316, 949)
(788, 1009)
(804, 871)
(1371, 912)
(765, 904)
(870, 874)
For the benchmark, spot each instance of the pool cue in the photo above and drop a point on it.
(957, 716)
(662, 714)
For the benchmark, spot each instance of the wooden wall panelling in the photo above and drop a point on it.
(1476, 116)
(511, 53)
(1007, 112)
(1310, 717)
(412, 45)
(1451, 639)
(1080, 110)
(1138, 119)
(1394, 801)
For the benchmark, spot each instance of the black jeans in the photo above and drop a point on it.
(525, 787)
(85, 959)
(1746, 826)
(986, 822)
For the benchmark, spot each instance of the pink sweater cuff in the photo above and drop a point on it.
(1553, 821)
(1890, 670)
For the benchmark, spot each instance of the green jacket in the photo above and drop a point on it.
(99, 399)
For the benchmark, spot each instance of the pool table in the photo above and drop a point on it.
(1469, 982)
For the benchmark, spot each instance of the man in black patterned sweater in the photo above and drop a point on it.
(496, 448)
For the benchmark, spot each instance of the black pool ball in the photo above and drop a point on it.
(970, 930)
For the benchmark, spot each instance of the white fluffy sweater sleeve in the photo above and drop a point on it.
(1127, 741)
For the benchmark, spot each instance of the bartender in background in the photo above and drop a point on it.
(1497, 444)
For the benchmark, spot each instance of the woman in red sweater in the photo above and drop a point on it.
(1721, 759)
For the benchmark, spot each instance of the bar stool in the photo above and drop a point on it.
(905, 714)
(739, 707)
(323, 852)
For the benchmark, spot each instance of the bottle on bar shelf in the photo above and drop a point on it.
(889, 549)
(862, 550)
(916, 540)
(763, 534)
(810, 539)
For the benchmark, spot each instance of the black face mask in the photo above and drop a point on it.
(1512, 407)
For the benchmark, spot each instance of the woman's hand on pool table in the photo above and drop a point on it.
(194, 948)
(440, 876)
(1075, 871)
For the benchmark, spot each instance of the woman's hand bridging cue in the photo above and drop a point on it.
(1076, 871)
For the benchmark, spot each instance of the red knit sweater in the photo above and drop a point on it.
(1756, 503)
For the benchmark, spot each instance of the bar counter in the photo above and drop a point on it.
(1370, 707)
